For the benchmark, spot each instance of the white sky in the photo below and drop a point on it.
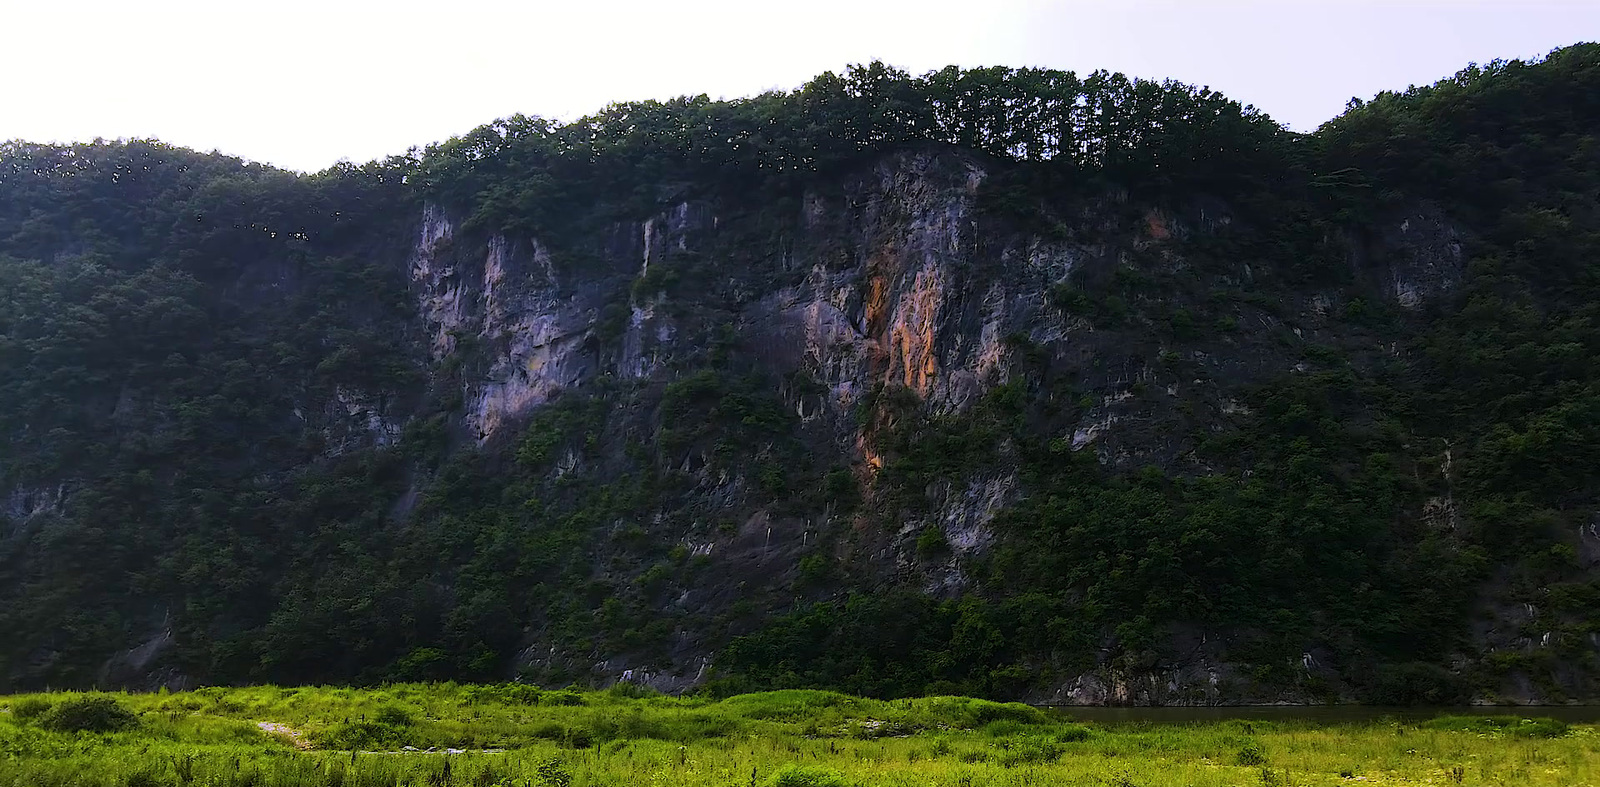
(304, 83)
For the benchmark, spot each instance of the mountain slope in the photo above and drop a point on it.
(997, 382)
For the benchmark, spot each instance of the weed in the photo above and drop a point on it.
(1072, 733)
(552, 773)
(805, 776)
(393, 716)
(1502, 725)
(29, 708)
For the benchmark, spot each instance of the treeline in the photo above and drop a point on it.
(529, 174)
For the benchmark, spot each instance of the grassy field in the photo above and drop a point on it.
(518, 735)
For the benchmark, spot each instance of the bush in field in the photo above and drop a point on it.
(1029, 751)
(1004, 728)
(1072, 733)
(565, 697)
(393, 716)
(505, 694)
(968, 713)
(552, 773)
(144, 777)
(1537, 728)
(632, 691)
(88, 714)
(30, 708)
(805, 776)
(790, 705)
(578, 737)
(360, 735)
(1252, 754)
(388, 729)
(1503, 725)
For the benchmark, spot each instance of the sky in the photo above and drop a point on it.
(302, 84)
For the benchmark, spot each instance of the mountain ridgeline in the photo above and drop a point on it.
(1009, 383)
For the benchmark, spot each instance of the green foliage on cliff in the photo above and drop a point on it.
(531, 175)
(1325, 540)
(171, 324)
(221, 426)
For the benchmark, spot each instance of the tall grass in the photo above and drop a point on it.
(519, 736)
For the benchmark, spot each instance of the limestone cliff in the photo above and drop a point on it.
(894, 283)
(1010, 383)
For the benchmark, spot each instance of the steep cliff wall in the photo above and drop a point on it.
(1006, 383)
(888, 300)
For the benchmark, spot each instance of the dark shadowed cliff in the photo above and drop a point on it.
(1001, 382)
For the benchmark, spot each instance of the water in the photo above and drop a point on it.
(1322, 714)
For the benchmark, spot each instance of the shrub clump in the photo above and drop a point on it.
(1252, 754)
(575, 736)
(88, 714)
(504, 694)
(393, 716)
(389, 728)
(1029, 751)
(632, 691)
(552, 773)
(563, 698)
(1004, 728)
(969, 714)
(360, 735)
(1072, 733)
(805, 776)
(791, 704)
(1511, 726)
(29, 708)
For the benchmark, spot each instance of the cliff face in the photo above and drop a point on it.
(889, 299)
(895, 283)
(1001, 383)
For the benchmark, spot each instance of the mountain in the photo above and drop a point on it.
(1001, 382)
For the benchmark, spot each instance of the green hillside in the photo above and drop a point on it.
(1011, 383)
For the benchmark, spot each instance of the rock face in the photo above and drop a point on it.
(894, 282)
(507, 298)
(871, 312)
(887, 284)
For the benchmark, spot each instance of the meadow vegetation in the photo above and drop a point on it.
(514, 734)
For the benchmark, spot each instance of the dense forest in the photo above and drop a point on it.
(1252, 427)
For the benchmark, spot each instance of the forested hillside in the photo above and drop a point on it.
(1003, 382)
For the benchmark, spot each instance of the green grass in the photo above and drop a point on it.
(354, 738)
